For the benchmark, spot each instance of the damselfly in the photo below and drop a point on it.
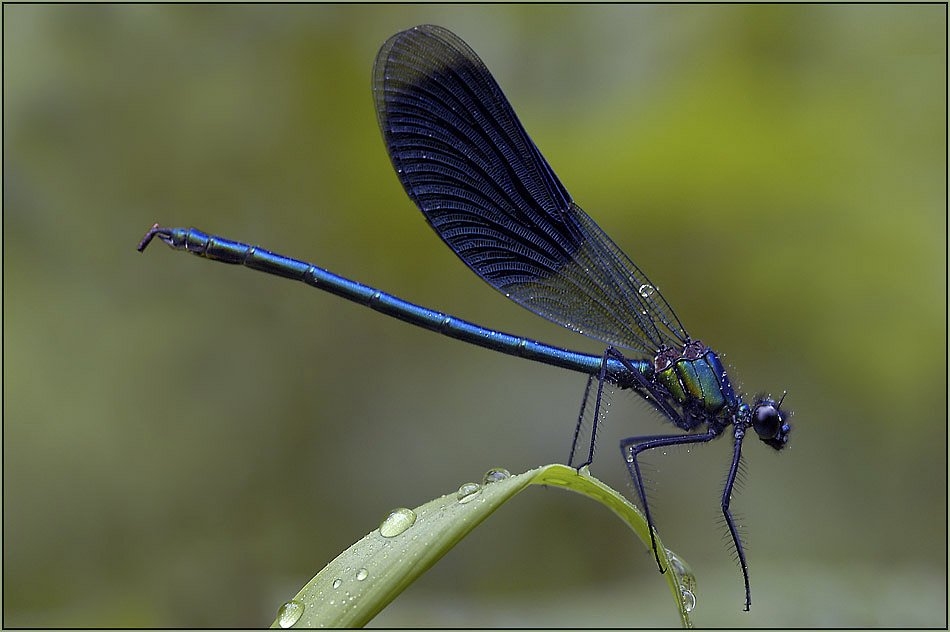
(466, 161)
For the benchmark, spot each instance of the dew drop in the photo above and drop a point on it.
(396, 522)
(689, 600)
(289, 613)
(361, 574)
(468, 492)
(646, 290)
(495, 474)
(337, 583)
(685, 579)
(679, 567)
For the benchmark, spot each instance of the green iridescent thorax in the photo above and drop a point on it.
(694, 375)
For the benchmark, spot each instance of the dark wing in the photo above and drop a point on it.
(464, 158)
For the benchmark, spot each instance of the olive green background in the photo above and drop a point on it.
(186, 444)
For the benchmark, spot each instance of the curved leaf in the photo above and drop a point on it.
(362, 580)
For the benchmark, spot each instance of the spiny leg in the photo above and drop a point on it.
(601, 378)
(726, 498)
(580, 419)
(637, 445)
(636, 376)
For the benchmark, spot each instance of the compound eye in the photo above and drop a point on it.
(766, 420)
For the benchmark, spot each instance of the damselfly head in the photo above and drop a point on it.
(770, 422)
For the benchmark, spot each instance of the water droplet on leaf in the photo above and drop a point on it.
(685, 579)
(468, 492)
(689, 600)
(396, 522)
(289, 613)
(495, 474)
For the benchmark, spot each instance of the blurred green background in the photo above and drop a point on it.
(186, 444)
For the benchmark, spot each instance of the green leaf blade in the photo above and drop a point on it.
(366, 577)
